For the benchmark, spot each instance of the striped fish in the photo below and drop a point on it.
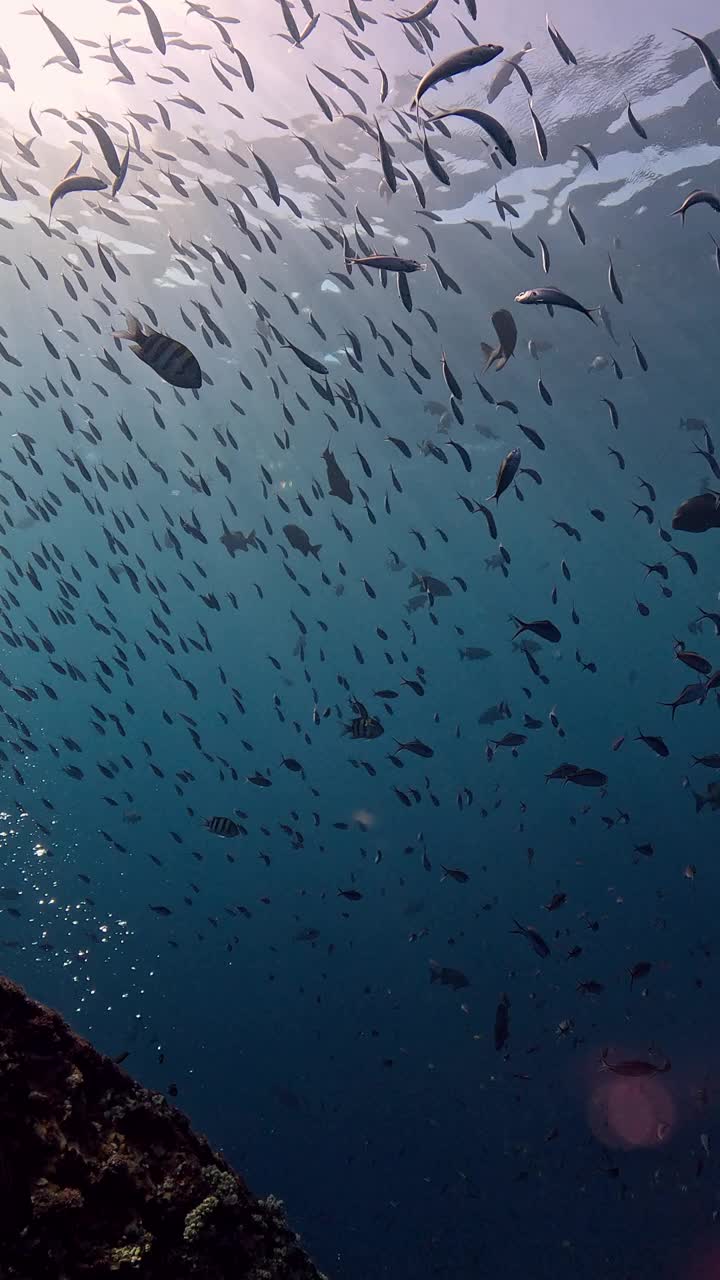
(364, 727)
(222, 827)
(171, 360)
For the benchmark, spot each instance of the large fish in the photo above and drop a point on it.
(171, 360)
(476, 55)
(489, 125)
(548, 296)
(698, 514)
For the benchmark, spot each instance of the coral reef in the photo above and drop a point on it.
(100, 1177)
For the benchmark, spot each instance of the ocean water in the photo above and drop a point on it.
(148, 673)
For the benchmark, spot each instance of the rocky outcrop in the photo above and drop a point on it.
(100, 1177)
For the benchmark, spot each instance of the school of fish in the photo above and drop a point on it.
(292, 535)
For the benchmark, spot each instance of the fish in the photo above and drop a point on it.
(237, 540)
(107, 145)
(634, 122)
(710, 798)
(708, 56)
(338, 484)
(697, 514)
(503, 75)
(501, 1028)
(454, 978)
(536, 940)
(386, 262)
(506, 473)
(543, 628)
(476, 55)
(432, 586)
(634, 1067)
(76, 182)
(540, 136)
(299, 539)
(474, 653)
(489, 125)
(171, 360)
(455, 873)
(506, 330)
(225, 827)
(65, 44)
(548, 296)
(695, 198)
(418, 15)
(154, 26)
(563, 49)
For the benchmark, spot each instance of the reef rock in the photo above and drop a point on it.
(100, 1177)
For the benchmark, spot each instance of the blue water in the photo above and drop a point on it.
(330, 1069)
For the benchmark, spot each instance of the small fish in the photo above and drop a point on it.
(655, 743)
(633, 1066)
(506, 330)
(506, 473)
(540, 136)
(612, 281)
(386, 159)
(709, 58)
(565, 52)
(455, 873)
(501, 1029)
(697, 197)
(634, 122)
(577, 225)
(454, 978)
(66, 45)
(77, 182)
(536, 940)
(586, 149)
(543, 628)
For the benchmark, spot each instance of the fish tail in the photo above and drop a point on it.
(699, 802)
(314, 550)
(462, 654)
(133, 332)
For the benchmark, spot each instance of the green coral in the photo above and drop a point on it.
(128, 1254)
(224, 1192)
(223, 1184)
(197, 1218)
